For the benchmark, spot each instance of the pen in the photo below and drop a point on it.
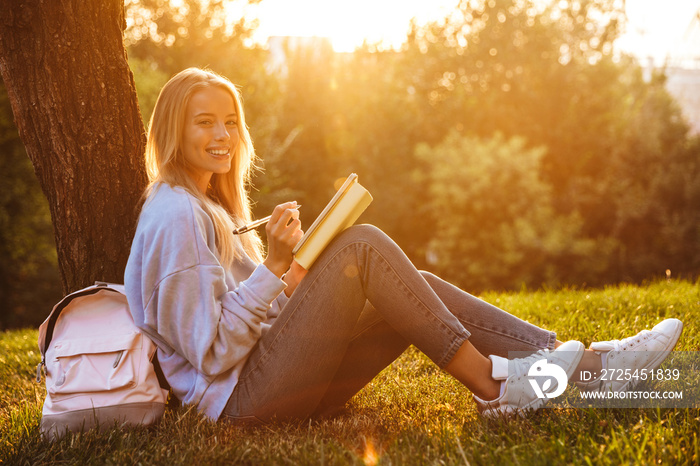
(253, 225)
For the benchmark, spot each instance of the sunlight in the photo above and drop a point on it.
(652, 30)
(346, 24)
(657, 32)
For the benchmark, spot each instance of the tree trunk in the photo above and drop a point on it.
(74, 102)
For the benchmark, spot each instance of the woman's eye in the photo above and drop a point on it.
(204, 122)
(232, 123)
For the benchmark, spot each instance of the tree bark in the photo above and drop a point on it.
(75, 106)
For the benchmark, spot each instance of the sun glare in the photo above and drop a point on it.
(652, 29)
(656, 31)
(347, 24)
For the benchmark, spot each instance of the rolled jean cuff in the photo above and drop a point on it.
(457, 343)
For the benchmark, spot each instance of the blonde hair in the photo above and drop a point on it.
(226, 200)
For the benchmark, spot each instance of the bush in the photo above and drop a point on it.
(495, 225)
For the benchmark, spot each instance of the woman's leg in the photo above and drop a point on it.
(374, 345)
(291, 368)
(493, 331)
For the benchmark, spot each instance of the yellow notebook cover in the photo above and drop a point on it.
(343, 209)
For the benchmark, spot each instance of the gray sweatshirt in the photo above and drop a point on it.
(205, 319)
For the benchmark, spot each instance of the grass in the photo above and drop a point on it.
(412, 413)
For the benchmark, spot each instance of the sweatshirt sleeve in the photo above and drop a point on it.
(178, 290)
(214, 329)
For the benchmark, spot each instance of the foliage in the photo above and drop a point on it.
(376, 123)
(495, 223)
(29, 279)
(175, 35)
(548, 74)
(148, 80)
(412, 413)
(302, 163)
(653, 184)
(615, 145)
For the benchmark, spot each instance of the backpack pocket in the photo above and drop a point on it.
(94, 365)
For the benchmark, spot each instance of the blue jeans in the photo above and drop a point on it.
(359, 307)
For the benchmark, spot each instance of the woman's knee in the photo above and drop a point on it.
(366, 239)
(363, 233)
(429, 277)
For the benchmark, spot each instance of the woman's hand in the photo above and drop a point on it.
(283, 233)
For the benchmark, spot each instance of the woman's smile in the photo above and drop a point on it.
(219, 153)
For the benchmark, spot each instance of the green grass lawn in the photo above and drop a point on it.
(412, 413)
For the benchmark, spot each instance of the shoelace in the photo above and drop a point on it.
(522, 365)
(621, 345)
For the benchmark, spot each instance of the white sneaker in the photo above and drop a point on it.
(520, 394)
(630, 360)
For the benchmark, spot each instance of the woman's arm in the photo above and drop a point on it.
(292, 278)
(178, 290)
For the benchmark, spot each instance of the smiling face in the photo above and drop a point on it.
(210, 134)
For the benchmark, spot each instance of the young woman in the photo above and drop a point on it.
(251, 338)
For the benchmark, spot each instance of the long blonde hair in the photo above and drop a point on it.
(226, 200)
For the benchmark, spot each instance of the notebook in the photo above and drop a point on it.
(341, 212)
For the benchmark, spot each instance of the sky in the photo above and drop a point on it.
(656, 27)
(347, 22)
(660, 28)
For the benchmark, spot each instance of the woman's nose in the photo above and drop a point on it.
(221, 133)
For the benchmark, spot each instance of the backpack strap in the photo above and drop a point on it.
(159, 372)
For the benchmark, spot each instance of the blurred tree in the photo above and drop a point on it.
(495, 223)
(175, 35)
(29, 279)
(351, 114)
(491, 66)
(376, 123)
(305, 168)
(74, 103)
(149, 80)
(653, 186)
(546, 71)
